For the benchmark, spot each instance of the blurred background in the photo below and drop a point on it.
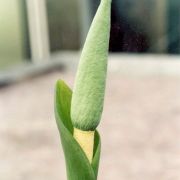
(40, 42)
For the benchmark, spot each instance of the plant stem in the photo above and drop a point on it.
(86, 141)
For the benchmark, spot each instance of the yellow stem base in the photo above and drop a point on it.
(86, 141)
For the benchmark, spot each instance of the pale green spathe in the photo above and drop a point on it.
(88, 95)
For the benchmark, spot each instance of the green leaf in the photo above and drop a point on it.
(77, 164)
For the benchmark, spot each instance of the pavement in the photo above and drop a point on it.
(140, 129)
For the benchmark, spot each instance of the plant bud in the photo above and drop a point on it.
(88, 95)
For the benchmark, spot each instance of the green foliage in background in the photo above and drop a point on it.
(77, 164)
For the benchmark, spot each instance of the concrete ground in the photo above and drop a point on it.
(140, 129)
